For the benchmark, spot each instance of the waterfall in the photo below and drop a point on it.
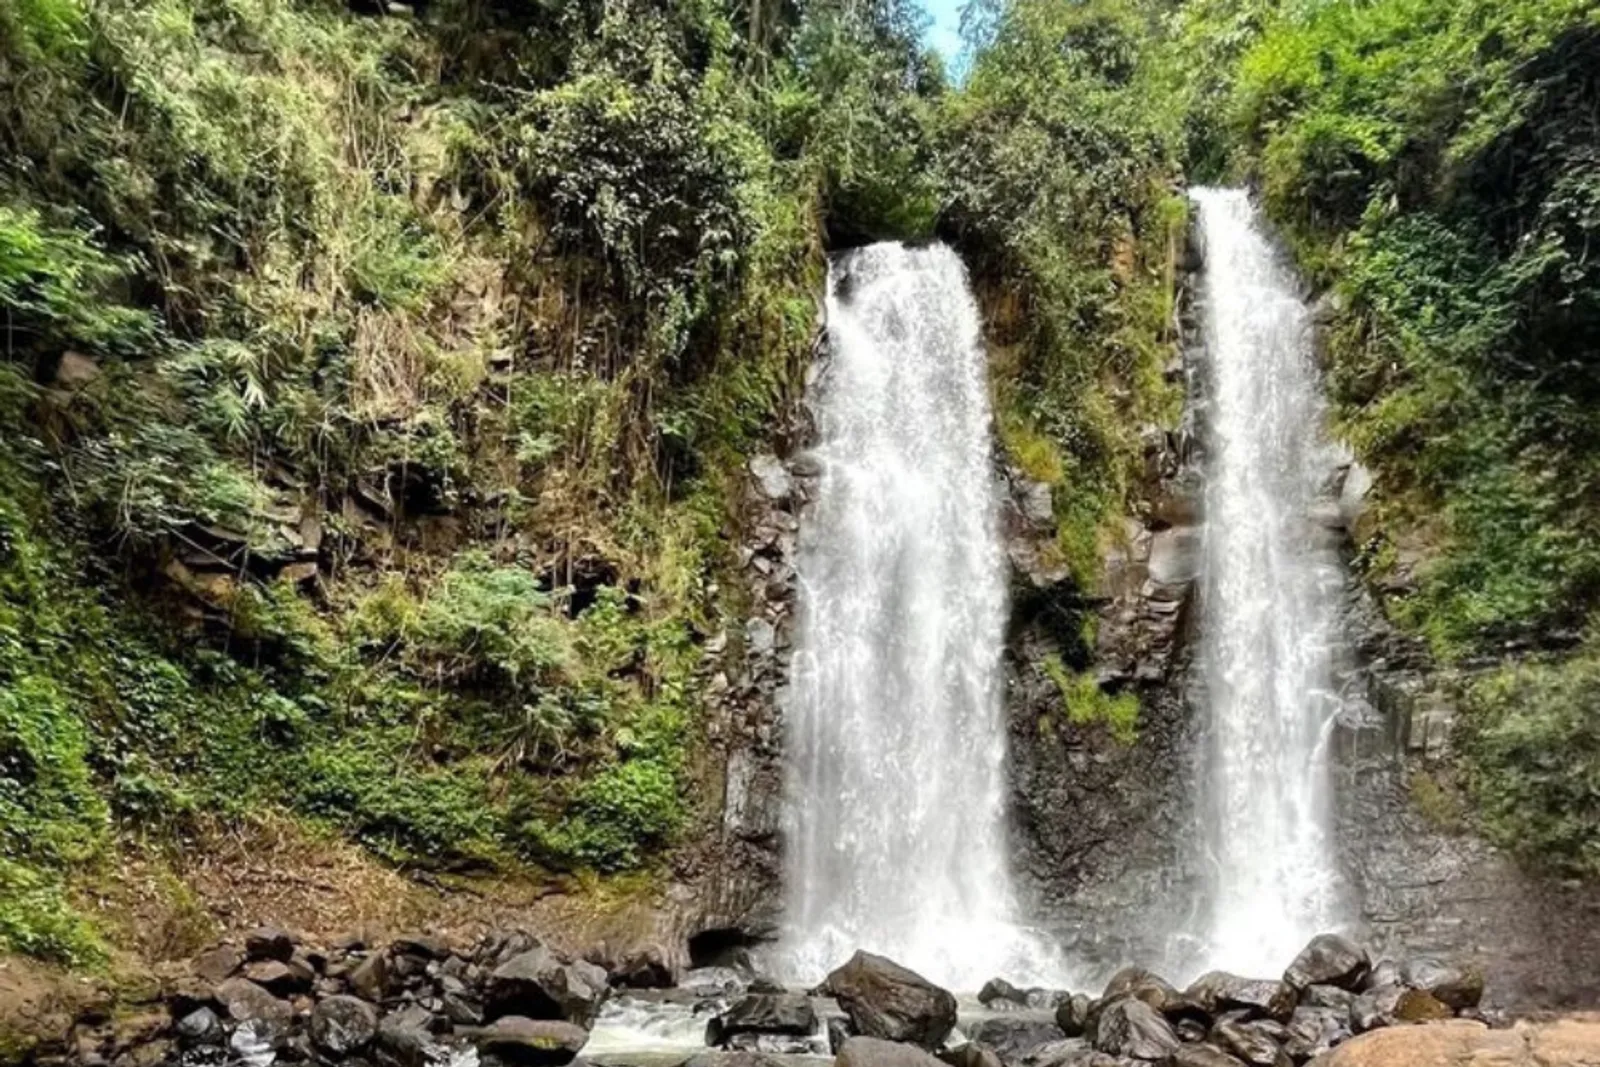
(895, 813)
(1269, 615)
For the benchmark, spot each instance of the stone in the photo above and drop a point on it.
(243, 1000)
(1250, 1043)
(1456, 987)
(1036, 504)
(217, 965)
(1129, 1027)
(1314, 1030)
(885, 1000)
(255, 1042)
(772, 477)
(1327, 996)
(342, 1024)
(370, 978)
(971, 1054)
(280, 978)
(1072, 1014)
(539, 985)
(874, 1052)
(764, 1013)
(405, 1039)
(1329, 960)
(1015, 1034)
(199, 1027)
(838, 1032)
(1565, 1042)
(75, 371)
(1000, 989)
(268, 943)
(1420, 1006)
(1204, 1056)
(1385, 973)
(1219, 991)
(534, 1042)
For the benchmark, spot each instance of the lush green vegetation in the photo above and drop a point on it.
(376, 388)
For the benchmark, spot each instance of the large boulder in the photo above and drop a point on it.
(873, 1052)
(1315, 1030)
(1219, 991)
(244, 1000)
(764, 1013)
(1329, 960)
(1131, 1028)
(1456, 987)
(1568, 1042)
(538, 984)
(885, 1000)
(341, 1025)
(998, 989)
(514, 1039)
(1014, 1034)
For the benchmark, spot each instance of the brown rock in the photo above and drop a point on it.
(888, 1001)
(216, 965)
(1569, 1042)
(246, 1000)
(268, 943)
(536, 1042)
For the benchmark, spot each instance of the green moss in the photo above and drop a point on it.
(1086, 703)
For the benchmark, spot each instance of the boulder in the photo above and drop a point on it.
(1072, 1015)
(1569, 1042)
(873, 1052)
(1014, 1034)
(341, 1025)
(268, 943)
(1327, 996)
(1457, 987)
(1314, 1030)
(1329, 960)
(243, 1000)
(1219, 991)
(280, 978)
(370, 978)
(199, 1027)
(217, 965)
(406, 1039)
(885, 1000)
(1420, 1006)
(971, 1054)
(1131, 1028)
(534, 1042)
(1384, 973)
(764, 1013)
(255, 1042)
(538, 984)
(425, 946)
(1251, 1043)
(998, 989)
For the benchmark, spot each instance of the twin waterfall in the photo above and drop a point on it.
(896, 825)
(1269, 621)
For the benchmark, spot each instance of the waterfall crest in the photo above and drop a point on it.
(895, 802)
(1270, 627)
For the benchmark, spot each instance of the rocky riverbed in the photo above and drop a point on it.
(509, 1000)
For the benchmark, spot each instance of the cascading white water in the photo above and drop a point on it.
(895, 816)
(1269, 623)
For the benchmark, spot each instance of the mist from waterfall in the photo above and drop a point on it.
(1270, 600)
(895, 802)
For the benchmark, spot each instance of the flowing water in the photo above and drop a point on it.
(895, 814)
(1269, 623)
